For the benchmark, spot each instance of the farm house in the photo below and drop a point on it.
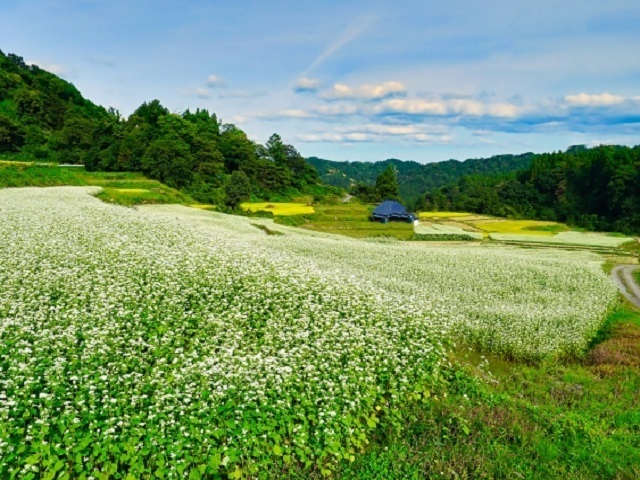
(392, 210)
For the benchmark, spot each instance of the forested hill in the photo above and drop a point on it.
(416, 178)
(43, 117)
(594, 188)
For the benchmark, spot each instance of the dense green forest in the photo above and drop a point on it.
(43, 117)
(594, 188)
(414, 178)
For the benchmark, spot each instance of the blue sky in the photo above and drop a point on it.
(358, 80)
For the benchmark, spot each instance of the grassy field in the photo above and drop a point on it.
(123, 188)
(353, 221)
(575, 420)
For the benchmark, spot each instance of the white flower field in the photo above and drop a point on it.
(172, 342)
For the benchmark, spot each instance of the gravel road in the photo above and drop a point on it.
(622, 276)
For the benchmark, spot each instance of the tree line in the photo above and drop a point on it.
(43, 117)
(594, 188)
(414, 178)
(195, 152)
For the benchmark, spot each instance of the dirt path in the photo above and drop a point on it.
(622, 276)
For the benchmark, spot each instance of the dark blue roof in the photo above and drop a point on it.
(390, 207)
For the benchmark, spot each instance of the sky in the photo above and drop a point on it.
(418, 80)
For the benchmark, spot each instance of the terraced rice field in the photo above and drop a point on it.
(587, 239)
(438, 230)
(519, 227)
(174, 342)
(279, 208)
(441, 215)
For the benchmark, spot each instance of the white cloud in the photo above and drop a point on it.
(412, 106)
(338, 109)
(294, 113)
(402, 129)
(598, 100)
(341, 91)
(434, 134)
(285, 114)
(214, 81)
(240, 119)
(195, 92)
(306, 84)
(453, 107)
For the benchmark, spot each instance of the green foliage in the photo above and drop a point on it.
(129, 197)
(30, 175)
(414, 178)
(45, 118)
(267, 230)
(11, 135)
(592, 188)
(238, 189)
(387, 185)
(123, 188)
(512, 420)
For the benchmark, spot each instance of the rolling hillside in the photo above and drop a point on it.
(416, 178)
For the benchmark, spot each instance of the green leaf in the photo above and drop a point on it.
(277, 450)
(215, 460)
(33, 459)
(237, 473)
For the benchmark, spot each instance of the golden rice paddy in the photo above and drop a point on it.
(132, 190)
(529, 227)
(279, 208)
(443, 214)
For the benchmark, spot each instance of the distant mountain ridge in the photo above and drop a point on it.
(416, 178)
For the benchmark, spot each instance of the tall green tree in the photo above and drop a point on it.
(11, 136)
(387, 185)
(237, 189)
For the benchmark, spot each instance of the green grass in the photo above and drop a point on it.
(553, 228)
(123, 188)
(30, 175)
(351, 220)
(632, 247)
(266, 229)
(131, 197)
(578, 419)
